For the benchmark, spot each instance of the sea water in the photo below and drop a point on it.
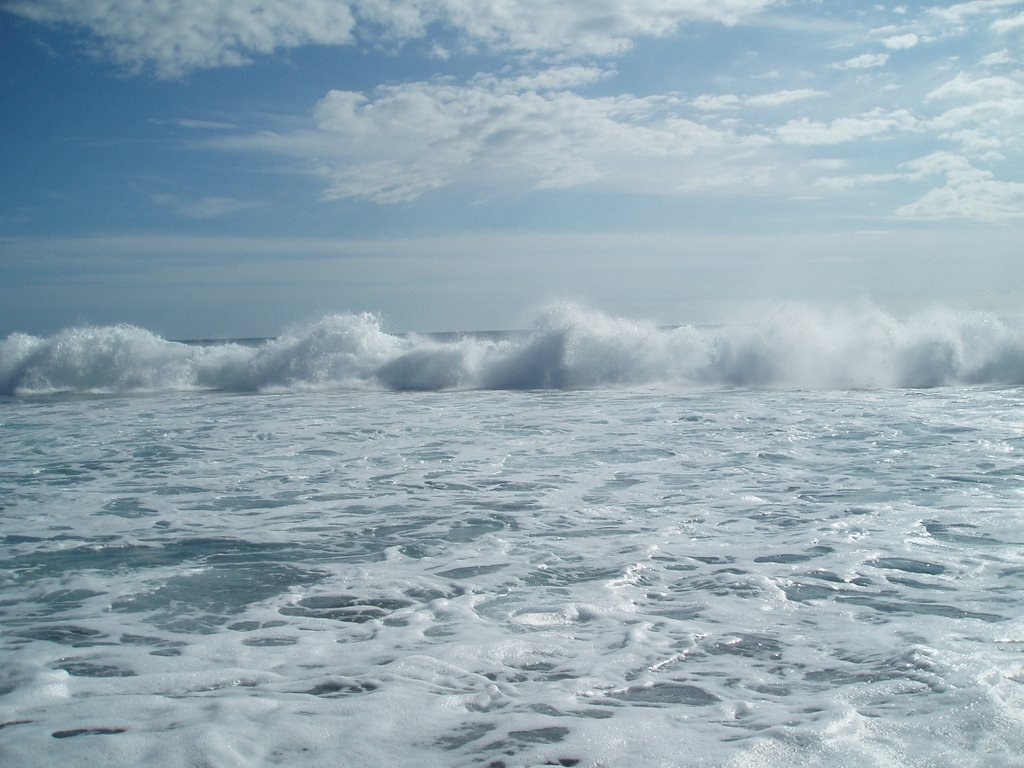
(796, 541)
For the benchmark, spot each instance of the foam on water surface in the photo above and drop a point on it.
(606, 577)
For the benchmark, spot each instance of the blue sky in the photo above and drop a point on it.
(226, 167)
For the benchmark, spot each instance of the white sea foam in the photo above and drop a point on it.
(598, 577)
(569, 347)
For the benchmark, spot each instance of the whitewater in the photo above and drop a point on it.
(792, 539)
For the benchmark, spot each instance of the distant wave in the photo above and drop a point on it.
(569, 347)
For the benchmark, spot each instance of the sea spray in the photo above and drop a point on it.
(569, 347)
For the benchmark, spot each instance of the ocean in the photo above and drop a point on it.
(792, 540)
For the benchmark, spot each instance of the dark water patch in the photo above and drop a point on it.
(15, 722)
(84, 668)
(474, 528)
(429, 594)
(571, 529)
(195, 551)
(770, 689)
(908, 565)
(911, 665)
(665, 693)
(747, 645)
(472, 571)
(448, 485)
(205, 600)
(14, 538)
(65, 634)
(52, 604)
(347, 608)
(269, 642)
(162, 646)
(339, 687)
(953, 534)
(783, 558)
(244, 504)
(909, 608)
(87, 732)
(464, 735)
(566, 575)
(916, 584)
(985, 479)
(680, 612)
(127, 508)
(730, 582)
(549, 735)
(835, 578)
(774, 458)
(801, 592)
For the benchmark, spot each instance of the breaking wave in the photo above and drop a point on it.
(569, 347)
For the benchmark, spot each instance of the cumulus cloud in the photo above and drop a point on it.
(958, 14)
(778, 98)
(965, 192)
(845, 129)
(997, 59)
(1009, 25)
(965, 87)
(711, 102)
(968, 193)
(401, 141)
(726, 101)
(175, 38)
(901, 42)
(987, 112)
(193, 34)
(864, 61)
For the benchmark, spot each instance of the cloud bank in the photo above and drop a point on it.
(175, 38)
(401, 141)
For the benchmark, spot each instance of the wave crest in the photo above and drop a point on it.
(569, 347)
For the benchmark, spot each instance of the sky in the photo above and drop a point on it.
(219, 168)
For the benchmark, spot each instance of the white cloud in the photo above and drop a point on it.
(574, 26)
(968, 193)
(555, 78)
(710, 102)
(997, 59)
(965, 192)
(177, 37)
(977, 142)
(901, 42)
(398, 142)
(958, 13)
(778, 98)
(964, 87)
(846, 129)
(989, 111)
(1009, 25)
(864, 61)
